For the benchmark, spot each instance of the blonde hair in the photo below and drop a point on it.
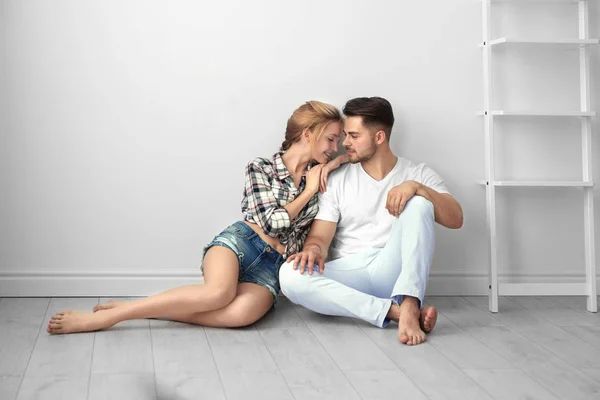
(314, 115)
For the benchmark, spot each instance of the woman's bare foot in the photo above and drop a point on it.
(428, 318)
(409, 330)
(108, 305)
(77, 321)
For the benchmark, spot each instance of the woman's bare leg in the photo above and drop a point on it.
(108, 305)
(251, 304)
(221, 269)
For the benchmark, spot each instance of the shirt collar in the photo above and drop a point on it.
(280, 169)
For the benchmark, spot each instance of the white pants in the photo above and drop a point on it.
(363, 285)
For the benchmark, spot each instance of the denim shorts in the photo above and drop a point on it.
(259, 262)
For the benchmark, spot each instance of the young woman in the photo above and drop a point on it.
(241, 264)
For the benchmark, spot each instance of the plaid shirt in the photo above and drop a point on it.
(270, 186)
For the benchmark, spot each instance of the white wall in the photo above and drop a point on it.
(128, 125)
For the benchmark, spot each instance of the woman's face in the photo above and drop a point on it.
(327, 143)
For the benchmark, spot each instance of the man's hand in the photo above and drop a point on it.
(307, 259)
(399, 196)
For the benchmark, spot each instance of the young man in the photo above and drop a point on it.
(381, 210)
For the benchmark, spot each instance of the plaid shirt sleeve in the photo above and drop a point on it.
(262, 204)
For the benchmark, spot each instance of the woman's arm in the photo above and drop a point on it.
(298, 204)
(313, 177)
(269, 215)
(330, 166)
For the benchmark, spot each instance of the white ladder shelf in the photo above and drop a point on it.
(584, 114)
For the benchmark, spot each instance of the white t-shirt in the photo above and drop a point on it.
(356, 202)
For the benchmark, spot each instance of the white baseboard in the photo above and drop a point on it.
(144, 283)
(93, 284)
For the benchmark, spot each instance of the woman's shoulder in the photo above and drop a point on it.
(264, 162)
(260, 162)
(267, 165)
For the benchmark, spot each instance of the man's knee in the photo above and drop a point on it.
(419, 206)
(291, 281)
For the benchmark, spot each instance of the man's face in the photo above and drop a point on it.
(359, 142)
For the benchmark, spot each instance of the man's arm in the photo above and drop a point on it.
(316, 246)
(448, 211)
(321, 235)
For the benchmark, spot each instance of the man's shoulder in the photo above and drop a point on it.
(343, 169)
(411, 169)
(341, 173)
(405, 163)
(423, 173)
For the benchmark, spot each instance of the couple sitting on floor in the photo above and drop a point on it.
(350, 236)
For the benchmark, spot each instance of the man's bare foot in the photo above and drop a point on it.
(394, 312)
(108, 305)
(77, 321)
(409, 330)
(428, 318)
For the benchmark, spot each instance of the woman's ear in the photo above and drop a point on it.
(306, 135)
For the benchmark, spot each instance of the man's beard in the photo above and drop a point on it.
(366, 156)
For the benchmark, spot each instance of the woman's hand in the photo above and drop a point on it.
(313, 179)
(331, 166)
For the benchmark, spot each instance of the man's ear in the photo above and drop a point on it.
(380, 136)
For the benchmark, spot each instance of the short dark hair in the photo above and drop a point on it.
(376, 112)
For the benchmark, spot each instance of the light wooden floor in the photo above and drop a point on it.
(535, 348)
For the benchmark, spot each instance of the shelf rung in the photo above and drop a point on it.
(538, 1)
(564, 42)
(539, 183)
(507, 113)
(542, 289)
